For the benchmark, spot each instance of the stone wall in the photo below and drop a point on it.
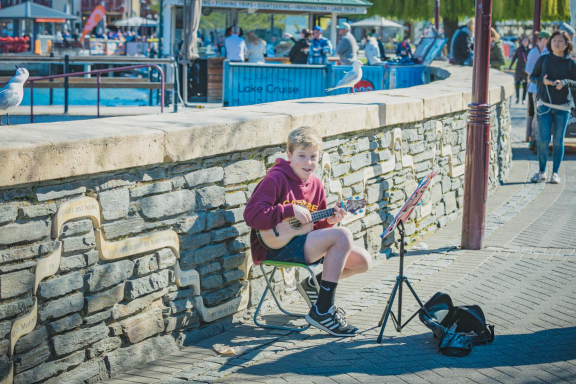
(106, 269)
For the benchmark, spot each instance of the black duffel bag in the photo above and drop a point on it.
(458, 328)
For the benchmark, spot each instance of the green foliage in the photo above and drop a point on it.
(249, 22)
(413, 10)
(216, 20)
(252, 22)
(154, 6)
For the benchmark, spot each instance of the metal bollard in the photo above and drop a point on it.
(66, 86)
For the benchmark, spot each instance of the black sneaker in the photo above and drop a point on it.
(333, 322)
(308, 292)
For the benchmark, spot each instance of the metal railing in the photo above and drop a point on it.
(97, 72)
(82, 60)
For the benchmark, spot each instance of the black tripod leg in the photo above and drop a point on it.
(399, 321)
(389, 303)
(387, 311)
(422, 308)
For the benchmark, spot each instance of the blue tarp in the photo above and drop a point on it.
(247, 84)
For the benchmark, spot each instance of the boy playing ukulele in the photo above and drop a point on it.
(290, 189)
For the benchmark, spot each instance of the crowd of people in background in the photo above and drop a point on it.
(546, 73)
(310, 48)
(64, 35)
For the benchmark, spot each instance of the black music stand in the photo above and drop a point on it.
(398, 223)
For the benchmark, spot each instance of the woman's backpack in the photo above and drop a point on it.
(458, 328)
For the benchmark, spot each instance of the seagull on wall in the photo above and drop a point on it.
(351, 78)
(11, 95)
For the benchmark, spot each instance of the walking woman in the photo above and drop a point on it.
(554, 74)
(520, 76)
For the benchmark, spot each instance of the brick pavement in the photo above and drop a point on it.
(524, 279)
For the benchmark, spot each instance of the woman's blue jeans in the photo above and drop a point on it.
(548, 117)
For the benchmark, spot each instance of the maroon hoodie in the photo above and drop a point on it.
(273, 199)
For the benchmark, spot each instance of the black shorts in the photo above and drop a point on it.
(293, 252)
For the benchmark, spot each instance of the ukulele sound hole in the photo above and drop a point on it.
(295, 224)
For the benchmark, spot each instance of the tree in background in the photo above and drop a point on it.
(454, 11)
(573, 12)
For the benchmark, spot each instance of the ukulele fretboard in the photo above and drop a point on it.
(321, 215)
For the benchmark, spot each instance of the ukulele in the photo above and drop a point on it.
(291, 227)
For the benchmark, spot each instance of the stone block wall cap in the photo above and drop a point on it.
(41, 152)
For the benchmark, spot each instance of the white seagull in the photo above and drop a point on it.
(11, 95)
(351, 78)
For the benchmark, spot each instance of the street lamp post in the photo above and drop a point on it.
(478, 135)
(536, 21)
(160, 28)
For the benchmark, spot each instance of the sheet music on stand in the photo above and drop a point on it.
(410, 204)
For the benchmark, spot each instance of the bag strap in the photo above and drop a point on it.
(487, 339)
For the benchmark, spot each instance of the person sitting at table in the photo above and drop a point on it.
(404, 50)
(372, 51)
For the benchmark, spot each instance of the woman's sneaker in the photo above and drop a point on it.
(308, 291)
(555, 179)
(538, 177)
(333, 322)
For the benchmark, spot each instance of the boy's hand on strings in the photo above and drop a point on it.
(302, 214)
(338, 215)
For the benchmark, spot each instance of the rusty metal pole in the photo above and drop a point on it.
(478, 134)
(437, 15)
(536, 21)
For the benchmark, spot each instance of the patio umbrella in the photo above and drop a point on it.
(192, 13)
(376, 22)
(136, 22)
(29, 10)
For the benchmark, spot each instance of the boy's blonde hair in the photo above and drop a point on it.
(305, 137)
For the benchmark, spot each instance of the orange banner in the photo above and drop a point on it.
(50, 20)
(97, 15)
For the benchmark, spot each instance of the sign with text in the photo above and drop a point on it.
(48, 266)
(75, 209)
(210, 314)
(23, 326)
(135, 245)
(186, 278)
(292, 7)
(571, 128)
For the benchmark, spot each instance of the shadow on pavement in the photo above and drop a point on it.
(409, 354)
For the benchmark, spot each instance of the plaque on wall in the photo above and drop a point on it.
(135, 245)
(75, 209)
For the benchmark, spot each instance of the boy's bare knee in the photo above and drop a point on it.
(344, 236)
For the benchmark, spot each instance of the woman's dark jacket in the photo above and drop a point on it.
(521, 54)
(462, 46)
(296, 55)
(557, 68)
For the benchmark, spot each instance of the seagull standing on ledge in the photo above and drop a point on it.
(351, 78)
(11, 95)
